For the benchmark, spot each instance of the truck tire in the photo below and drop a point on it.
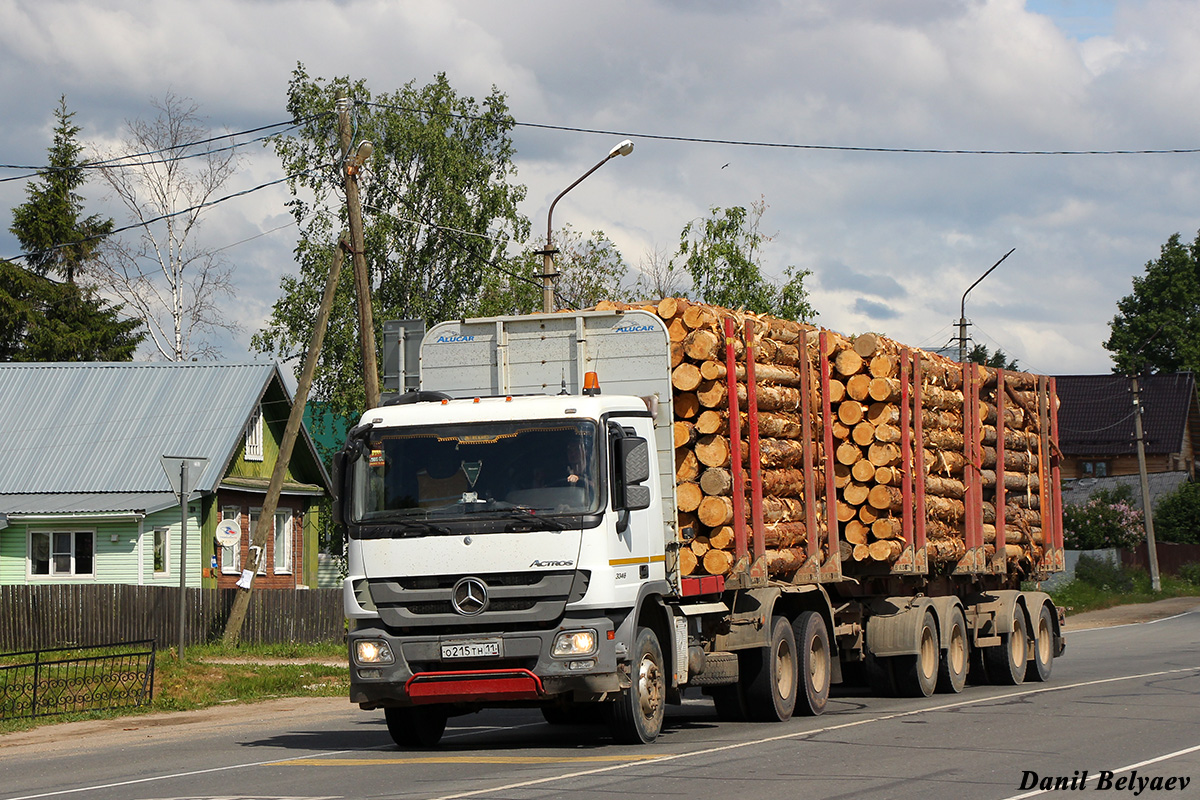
(637, 715)
(1005, 663)
(416, 726)
(730, 702)
(917, 674)
(771, 688)
(816, 669)
(1042, 663)
(880, 676)
(956, 662)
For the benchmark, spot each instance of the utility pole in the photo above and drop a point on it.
(362, 282)
(1147, 509)
(962, 312)
(266, 517)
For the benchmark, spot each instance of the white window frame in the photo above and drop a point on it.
(282, 536)
(53, 573)
(231, 556)
(166, 550)
(255, 518)
(254, 436)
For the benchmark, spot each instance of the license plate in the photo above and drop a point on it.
(477, 648)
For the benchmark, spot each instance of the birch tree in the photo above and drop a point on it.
(163, 174)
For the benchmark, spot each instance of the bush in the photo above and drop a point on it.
(1107, 519)
(1190, 573)
(1177, 515)
(1102, 574)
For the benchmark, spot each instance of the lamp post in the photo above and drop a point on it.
(548, 271)
(962, 311)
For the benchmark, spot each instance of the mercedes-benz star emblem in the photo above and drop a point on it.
(470, 597)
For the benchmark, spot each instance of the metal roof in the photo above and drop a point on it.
(102, 427)
(1095, 417)
(77, 503)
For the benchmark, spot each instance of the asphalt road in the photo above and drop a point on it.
(1123, 703)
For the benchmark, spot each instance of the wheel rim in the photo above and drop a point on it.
(649, 687)
(1016, 644)
(1043, 641)
(817, 664)
(928, 654)
(956, 653)
(785, 670)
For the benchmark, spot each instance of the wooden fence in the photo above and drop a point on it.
(39, 617)
(1171, 556)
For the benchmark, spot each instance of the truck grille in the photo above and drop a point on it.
(513, 599)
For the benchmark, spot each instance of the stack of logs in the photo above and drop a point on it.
(865, 422)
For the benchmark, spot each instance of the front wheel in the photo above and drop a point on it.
(637, 715)
(416, 726)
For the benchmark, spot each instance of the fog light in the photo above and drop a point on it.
(575, 643)
(372, 651)
(577, 665)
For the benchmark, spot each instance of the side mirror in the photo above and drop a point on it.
(633, 460)
(339, 484)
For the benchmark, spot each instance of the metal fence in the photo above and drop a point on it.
(50, 616)
(76, 679)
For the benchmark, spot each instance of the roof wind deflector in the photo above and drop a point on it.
(417, 397)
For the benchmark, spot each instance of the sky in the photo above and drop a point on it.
(814, 107)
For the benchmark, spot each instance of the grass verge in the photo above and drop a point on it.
(1101, 585)
(212, 675)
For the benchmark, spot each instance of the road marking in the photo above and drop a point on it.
(630, 760)
(1131, 624)
(575, 775)
(367, 762)
(1119, 771)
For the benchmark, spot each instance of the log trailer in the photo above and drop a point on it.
(525, 530)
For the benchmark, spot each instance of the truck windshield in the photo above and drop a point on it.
(497, 468)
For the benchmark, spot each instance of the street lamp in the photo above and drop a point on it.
(962, 311)
(548, 271)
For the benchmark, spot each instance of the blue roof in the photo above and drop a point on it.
(102, 427)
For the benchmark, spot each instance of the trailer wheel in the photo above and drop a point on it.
(1042, 662)
(730, 702)
(771, 688)
(880, 676)
(1005, 663)
(816, 671)
(417, 726)
(917, 674)
(637, 715)
(952, 675)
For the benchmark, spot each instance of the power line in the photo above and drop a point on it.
(796, 146)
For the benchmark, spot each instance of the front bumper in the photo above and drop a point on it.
(524, 673)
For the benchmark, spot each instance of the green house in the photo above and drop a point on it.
(85, 495)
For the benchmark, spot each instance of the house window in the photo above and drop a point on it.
(254, 436)
(62, 553)
(162, 543)
(231, 556)
(1094, 469)
(283, 542)
(262, 561)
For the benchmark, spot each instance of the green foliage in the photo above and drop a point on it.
(48, 223)
(1102, 574)
(439, 212)
(1157, 326)
(1190, 573)
(998, 360)
(722, 255)
(1107, 519)
(1177, 515)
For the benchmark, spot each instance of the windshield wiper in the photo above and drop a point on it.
(530, 515)
(408, 525)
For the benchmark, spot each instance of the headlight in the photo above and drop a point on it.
(372, 651)
(575, 643)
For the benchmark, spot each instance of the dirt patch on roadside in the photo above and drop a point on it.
(1130, 614)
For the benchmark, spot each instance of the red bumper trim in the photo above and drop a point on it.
(473, 685)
